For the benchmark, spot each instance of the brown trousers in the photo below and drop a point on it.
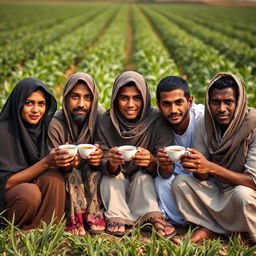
(31, 203)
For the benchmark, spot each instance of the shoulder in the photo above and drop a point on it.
(57, 121)
(101, 110)
(197, 110)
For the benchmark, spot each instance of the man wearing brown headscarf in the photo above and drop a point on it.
(222, 198)
(76, 123)
(127, 188)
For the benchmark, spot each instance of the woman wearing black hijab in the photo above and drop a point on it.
(30, 189)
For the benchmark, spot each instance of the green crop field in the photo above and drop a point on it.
(50, 41)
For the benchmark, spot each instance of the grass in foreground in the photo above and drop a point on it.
(53, 240)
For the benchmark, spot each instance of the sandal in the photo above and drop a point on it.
(96, 221)
(164, 225)
(115, 233)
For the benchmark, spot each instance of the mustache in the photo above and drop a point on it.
(173, 114)
(81, 109)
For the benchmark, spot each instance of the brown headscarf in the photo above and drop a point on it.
(63, 129)
(22, 144)
(149, 130)
(231, 151)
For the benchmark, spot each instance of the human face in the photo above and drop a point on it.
(175, 108)
(80, 100)
(223, 105)
(130, 102)
(34, 107)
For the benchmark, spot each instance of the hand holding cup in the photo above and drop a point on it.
(128, 152)
(176, 152)
(85, 150)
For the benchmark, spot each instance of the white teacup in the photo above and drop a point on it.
(128, 151)
(70, 148)
(175, 152)
(85, 150)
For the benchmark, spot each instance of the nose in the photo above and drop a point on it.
(81, 102)
(173, 108)
(131, 102)
(35, 108)
(222, 107)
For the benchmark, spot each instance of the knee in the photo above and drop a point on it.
(142, 178)
(29, 196)
(180, 182)
(51, 178)
(244, 195)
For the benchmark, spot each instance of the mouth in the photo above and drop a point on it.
(131, 112)
(80, 112)
(223, 117)
(174, 117)
(33, 117)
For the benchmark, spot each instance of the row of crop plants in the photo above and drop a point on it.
(150, 56)
(15, 54)
(106, 59)
(240, 53)
(34, 24)
(50, 64)
(198, 61)
(216, 25)
(241, 18)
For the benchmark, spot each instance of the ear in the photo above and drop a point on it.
(190, 101)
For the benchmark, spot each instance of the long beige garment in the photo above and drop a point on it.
(150, 131)
(129, 201)
(213, 204)
(223, 211)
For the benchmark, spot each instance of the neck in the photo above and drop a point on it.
(182, 127)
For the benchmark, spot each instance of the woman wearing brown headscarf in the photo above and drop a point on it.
(76, 123)
(127, 188)
(31, 191)
(226, 139)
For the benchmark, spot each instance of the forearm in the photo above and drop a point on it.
(231, 177)
(27, 174)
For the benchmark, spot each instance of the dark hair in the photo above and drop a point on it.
(129, 84)
(171, 83)
(223, 83)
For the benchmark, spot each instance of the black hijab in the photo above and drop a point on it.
(22, 144)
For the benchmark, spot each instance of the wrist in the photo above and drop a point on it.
(46, 164)
(112, 169)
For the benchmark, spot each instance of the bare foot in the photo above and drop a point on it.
(202, 234)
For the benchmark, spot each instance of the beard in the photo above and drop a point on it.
(80, 118)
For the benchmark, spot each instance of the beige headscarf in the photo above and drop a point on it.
(149, 131)
(63, 121)
(232, 150)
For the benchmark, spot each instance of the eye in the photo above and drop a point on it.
(166, 104)
(88, 97)
(28, 103)
(229, 102)
(215, 102)
(137, 98)
(179, 102)
(41, 103)
(123, 97)
(74, 96)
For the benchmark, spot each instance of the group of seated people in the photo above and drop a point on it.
(212, 186)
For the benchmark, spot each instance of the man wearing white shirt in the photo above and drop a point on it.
(176, 105)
